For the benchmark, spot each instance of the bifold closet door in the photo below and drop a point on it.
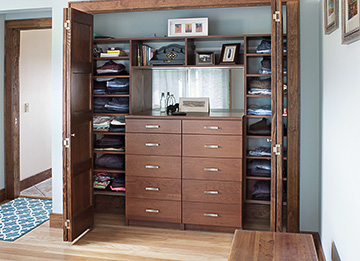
(78, 156)
(277, 134)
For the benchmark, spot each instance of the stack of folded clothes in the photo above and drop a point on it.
(117, 125)
(266, 66)
(259, 110)
(102, 123)
(260, 86)
(112, 68)
(118, 86)
(260, 152)
(259, 168)
(100, 86)
(120, 104)
(261, 191)
(265, 47)
(110, 143)
(262, 127)
(110, 161)
(102, 180)
(118, 184)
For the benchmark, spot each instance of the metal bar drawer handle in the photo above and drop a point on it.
(212, 192)
(211, 127)
(152, 189)
(211, 146)
(152, 144)
(152, 126)
(211, 215)
(152, 211)
(211, 169)
(151, 167)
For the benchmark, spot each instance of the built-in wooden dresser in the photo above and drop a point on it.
(185, 170)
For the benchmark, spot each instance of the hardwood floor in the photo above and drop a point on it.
(110, 239)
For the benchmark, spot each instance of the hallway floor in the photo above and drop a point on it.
(40, 190)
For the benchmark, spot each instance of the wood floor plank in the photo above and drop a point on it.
(110, 239)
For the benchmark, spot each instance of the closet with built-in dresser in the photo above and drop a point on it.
(234, 167)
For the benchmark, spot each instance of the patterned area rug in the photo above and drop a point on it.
(21, 215)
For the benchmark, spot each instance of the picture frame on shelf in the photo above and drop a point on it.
(229, 53)
(331, 15)
(205, 58)
(194, 104)
(188, 27)
(350, 13)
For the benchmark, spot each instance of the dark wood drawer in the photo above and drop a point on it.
(153, 144)
(212, 169)
(153, 126)
(211, 191)
(212, 146)
(212, 214)
(153, 210)
(212, 127)
(153, 166)
(153, 188)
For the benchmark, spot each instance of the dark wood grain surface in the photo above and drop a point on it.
(153, 126)
(212, 127)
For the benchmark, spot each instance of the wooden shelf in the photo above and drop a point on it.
(111, 95)
(108, 152)
(109, 170)
(258, 54)
(111, 76)
(222, 66)
(257, 95)
(107, 133)
(258, 178)
(109, 114)
(112, 58)
(252, 136)
(260, 75)
(255, 157)
(111, 40)
(258, 116)
(109, 193)
(252, 201)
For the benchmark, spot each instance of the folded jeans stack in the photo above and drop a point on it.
(117, 125)
(259, 168)
(262, 127)
(110, 161)
(260, 152)
(266, 66)
(110, 142)
(120, 104)
(260, 86)
(265, 47)
(261, 191)
(259, 110)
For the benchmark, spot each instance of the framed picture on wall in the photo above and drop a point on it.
(331, 15)
(350, 21)
(229, 53)
(188, 27)
(194, 104)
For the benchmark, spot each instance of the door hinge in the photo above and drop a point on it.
(277, 16)
(276, 149)
(67, 142)
(67, 25)
(67, 224)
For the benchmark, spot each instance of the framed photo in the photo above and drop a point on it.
(194, 104)
(188, 27)
(229, 53)
(331, 15)
(203, 58)
(350, 21)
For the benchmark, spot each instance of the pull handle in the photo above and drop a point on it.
(152, 126)
(211, 215)
(211, 146)
(152, 144)
(151, 167)
(211, 192)
(211, 128)
(152, 211)
(211, 169)
(152, 189)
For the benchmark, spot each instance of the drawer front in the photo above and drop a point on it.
(153, 188)
(212, 169)
(212, 127)
(212, 191)
(153, 144)
(153, 166)
(153, 210)
(153, 126)
(212, 214)
(212, 146)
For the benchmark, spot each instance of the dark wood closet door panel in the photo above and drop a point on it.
(153, 166)
(212, 169)
(212, 146)
(78, 198)
(212, 127)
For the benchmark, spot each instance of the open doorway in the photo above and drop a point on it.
(28, 108)
(35, 113)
